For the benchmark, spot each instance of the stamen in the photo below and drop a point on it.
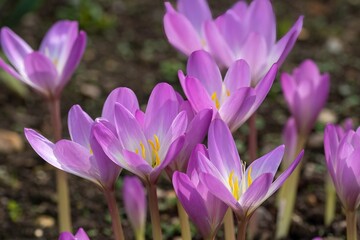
(215, 100)
(155, 147)
(143, 152)
(249, 179)
(234, 185)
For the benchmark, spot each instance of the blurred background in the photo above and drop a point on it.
(127, 47)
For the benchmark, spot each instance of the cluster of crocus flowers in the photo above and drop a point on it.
(220, 172)
(342, 151)
(48, 69)
(83, 155)
(233, 99)
(243, 32)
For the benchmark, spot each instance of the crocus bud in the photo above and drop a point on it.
(135, 205)
(306, 92)
(80, 235)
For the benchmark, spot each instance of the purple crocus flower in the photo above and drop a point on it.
(135, 205)
(204, 209)
(82, 156)
(249, 32)
(146, 143)
(48, 69)
(241, 189)
(80, 235)
(185, 28)
(306, 92)
(342, 151)
(233, 100)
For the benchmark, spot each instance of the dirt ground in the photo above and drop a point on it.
(127, 47)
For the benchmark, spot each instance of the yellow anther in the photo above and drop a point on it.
(143, 152)
(215, 100)
(230, 179)
(91, 151)
(157, 142)
(249, 179)
(137, 151)
(234, 185)
(155, 147)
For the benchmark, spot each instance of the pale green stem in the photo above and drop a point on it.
(154, 212)
(184, 222)
(140, 235)
(287, 195)
(351, 232)
(63, 207)
(330, 201)
(229, 225)
(114, 213)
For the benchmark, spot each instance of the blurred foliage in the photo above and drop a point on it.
(14, 210)
(91, 15)
(12, 11)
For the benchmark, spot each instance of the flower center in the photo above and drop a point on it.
(155, 148)
(234, 184)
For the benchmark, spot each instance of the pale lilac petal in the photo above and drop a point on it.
(269, 163)
(256, 193)
(137, 165)
(134, 198)
(42, 146)
(290, 138)
(197, 94)
(240, 8)
(128, 130)
(217, 44)
(79, 123)
(222, 149)
(173, 150)
(255, 52)
(177, 128)
(282, 178)
(122, 95)
(58, 42)
(193, 166)
(349, 189)
(76, 159)
(15, 48)
(162, 108)
(108, 170)
(283, 47)
(233, 28)
(261, 19)
(41, 71)
(81, 235)
(195, 134)
(238, 75)
(196, 11)
(238, 107)
(288, 85)
(203, 67)
(140, 117)
(180, 32)
(264, 86)
(73, 60)
(218, 189)
(192, 202)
